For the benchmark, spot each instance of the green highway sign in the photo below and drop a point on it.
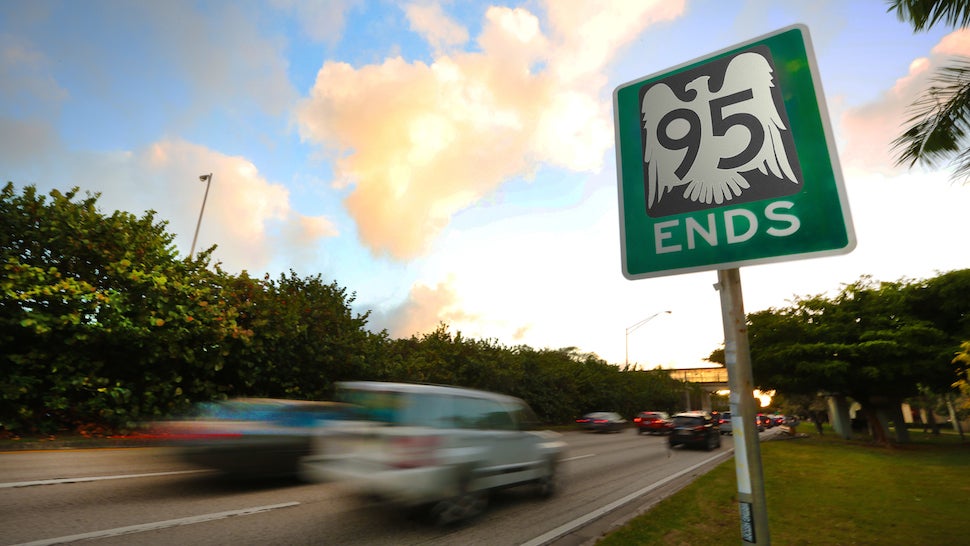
(729, 160)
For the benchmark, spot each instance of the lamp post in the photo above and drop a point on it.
(634, 327)
(207, 178)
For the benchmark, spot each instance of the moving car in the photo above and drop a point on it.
(695, 429)
(248, 436)
(602, 421)
(435, 449)
(724, 422)
(653, 422)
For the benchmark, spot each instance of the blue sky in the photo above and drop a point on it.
(450, 161)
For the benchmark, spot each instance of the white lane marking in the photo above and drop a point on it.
(96, 478)
(577, 523)
(141, 528)
(578, 457)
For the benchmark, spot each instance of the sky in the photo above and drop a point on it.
(452, 162)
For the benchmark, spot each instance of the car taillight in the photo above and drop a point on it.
(600, 421)
(637, 420)
(413, 451)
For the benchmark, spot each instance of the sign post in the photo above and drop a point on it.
(747, 446)
(725, 161)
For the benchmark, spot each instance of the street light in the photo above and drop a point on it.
(207, 178)
(634, 327)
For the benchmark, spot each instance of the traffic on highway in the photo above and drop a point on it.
(153, 495)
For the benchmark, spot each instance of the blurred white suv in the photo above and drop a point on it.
(436, 448)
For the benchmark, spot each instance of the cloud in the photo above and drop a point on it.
(425, 308)
(248, 217)
(224, 58)
(588, 34)
(869, 130)
(440, 31)
(25, 142)
(319, 21)
(420, 142)
(27, 86)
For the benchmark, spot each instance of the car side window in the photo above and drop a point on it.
(427, 410)
(481, 414)
(525, 418)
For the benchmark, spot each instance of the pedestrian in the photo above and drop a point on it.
(817, 417)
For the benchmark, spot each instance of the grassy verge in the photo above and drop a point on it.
(825, 490)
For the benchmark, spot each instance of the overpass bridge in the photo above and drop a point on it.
(710, 380)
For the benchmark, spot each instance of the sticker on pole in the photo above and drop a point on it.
(729, 160)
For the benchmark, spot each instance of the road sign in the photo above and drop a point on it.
(729, 160)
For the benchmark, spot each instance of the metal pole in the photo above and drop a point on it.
(207, 178)
(634, 327)
(747, 447)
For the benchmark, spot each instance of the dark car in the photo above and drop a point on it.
(764, 422)
(249, 436)
(602, 421)
(695, 429)
(653, 422)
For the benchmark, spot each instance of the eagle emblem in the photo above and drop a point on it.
(709, 137)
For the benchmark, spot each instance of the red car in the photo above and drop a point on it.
(653, 422)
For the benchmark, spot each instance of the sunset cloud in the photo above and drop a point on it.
(244, 213)
(420, 142)
(432, 23)
(869, 130)
(425, 308)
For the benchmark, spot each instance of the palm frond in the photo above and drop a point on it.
(923, 14)
(939, 123)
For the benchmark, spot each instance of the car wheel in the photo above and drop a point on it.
(461, 507)
(549, 484)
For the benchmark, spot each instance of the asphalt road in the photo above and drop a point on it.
(147, 496)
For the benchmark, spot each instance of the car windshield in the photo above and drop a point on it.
(688, 421)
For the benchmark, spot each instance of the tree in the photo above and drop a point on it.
(938, 127)
(100, 321)
(875, 342)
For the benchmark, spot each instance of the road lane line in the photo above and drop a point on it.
(578, 457)
(141, 528)
(96, 478)
(579, 522)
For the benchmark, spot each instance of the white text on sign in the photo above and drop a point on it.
(739, 225)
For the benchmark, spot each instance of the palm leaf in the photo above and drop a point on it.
(923, 14)
(939, 123)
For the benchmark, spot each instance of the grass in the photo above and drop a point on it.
(825, 490)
